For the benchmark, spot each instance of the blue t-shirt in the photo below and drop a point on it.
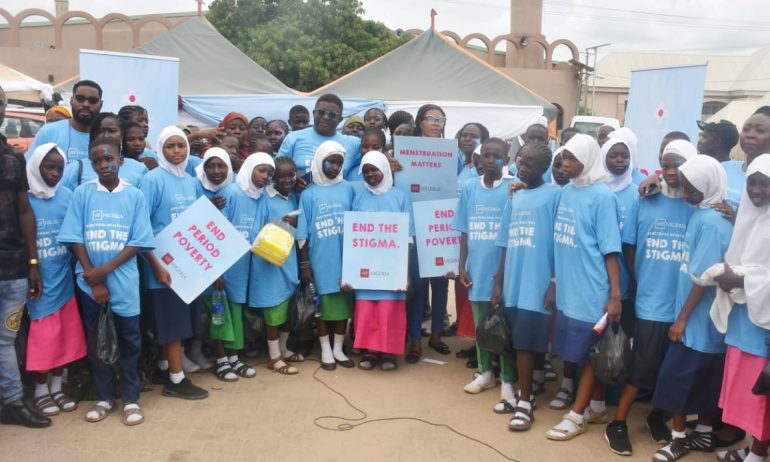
(627, 198)
(276, 284)
(705, 244)
(657, 230)
(55, 258)
(745, 335)
(468, 172)
(637, 177)
(301, 146)
(148, 153)
(192, 162)
(526, 232)
(396, 201)
(105, 223)
(321, 224)
(736, 182)
(72, 142)
(167, 196)
(586, 230)
(132, 171)
(478, 216)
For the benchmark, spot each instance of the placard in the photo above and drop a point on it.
(438, 245)
(430, 167)
(375, 250)
(198, 247)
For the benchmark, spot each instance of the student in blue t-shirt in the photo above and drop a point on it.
(380, 315)
(107, 224)
(168, 191)
(301, 145)
(523, 281)
(690, 376)
(135, 145)
(277, 284)
(56, 335)
(587, 237)
(135, 114)
(653, 241)
(373, 139)
(477, 218)
(469, 138)
(319, 234)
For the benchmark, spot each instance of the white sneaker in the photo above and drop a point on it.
(188, 366)
(483, 381)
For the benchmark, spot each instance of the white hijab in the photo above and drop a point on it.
(586, 151)
(37, 186)
(686, 151)
(379, 161)
(181, 168)
(708, 176)
(617, 182)
(750, 249)
(322, 152)
(244, 174)
(632, 142)
(222, 155)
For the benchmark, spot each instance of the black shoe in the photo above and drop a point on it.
(159, 377)
(184, 389)
(616, 435)
(328, 366)
(660, 432)
(467, 353)
(18, 413)
(348, 363)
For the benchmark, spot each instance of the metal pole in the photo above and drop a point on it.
(593, 74)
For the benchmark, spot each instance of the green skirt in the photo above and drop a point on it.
(231, 331)
(277, 315)
(337, 306)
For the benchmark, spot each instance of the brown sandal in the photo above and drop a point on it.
(285, 369)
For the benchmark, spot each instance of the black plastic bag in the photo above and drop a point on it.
(610, 356)
(107, 350)
(303, 308)
(762, 385)
(493, 334)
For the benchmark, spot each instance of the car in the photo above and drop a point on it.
(20, 128)
(589, 125)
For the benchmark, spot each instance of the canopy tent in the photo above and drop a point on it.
(23, 88)
(434, 69)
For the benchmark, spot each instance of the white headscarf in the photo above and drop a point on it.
(631, 140)
(37, 186)
(586, 151)
(708, 176)
(181, 168)
(244, 174)
(222, 155)
(322, 152)
(379, 161)
(685, 150)
(617, 182)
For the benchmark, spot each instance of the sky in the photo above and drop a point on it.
(687, 26)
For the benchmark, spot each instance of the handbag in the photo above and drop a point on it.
(107, 349)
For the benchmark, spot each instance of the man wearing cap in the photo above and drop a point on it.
(717, 139)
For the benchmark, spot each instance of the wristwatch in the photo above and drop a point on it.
(34, 261)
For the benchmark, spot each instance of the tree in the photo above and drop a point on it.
(304, 43)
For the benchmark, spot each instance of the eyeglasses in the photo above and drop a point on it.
(92, 100)
(322, 113)
(435, 120)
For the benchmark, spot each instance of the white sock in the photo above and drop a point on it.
(163, 364)
(54, 383)
(506, 391)
(326, 350)
(41, 389)
(525, 404)
(339, 355)
(598, 406)
(176, 377)
(538, 376)
(754, 458)
(676, 434)
(567, 425)
(577, 416)
(274, 347)
(134, 417)
(221, 360)
(567, 383)
(233, 359)
(283, 338)
(698, 428)
(94, 414)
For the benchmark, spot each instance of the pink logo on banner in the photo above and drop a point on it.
(167, 259)
(415, 188)
(439, 261)
(364, 273)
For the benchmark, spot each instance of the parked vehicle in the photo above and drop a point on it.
(20, 127)
(589, 125)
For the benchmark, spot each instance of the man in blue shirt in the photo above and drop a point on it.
(71, 135)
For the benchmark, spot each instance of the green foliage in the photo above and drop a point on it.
(304, 43)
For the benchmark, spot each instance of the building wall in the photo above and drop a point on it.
(556, 85)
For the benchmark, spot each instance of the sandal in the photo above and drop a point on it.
(550, 374)
(388, 363)
(561, 434)
(47, 406)
(243, 370)
(677, 449)
(700, 441)
(130, 412)
(65, 403)
(367, 363)
(225, 372)
(505, 407)
(538, 387)
(593, 417)
(532, 399)
(283, 368)
(413, 357)
(522, 420)
(100, 411)
(294, 358)
(440, 348)
(733, 455)
(562, 400)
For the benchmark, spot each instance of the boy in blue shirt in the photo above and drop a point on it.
(107, 225)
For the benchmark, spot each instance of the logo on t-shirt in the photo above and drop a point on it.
(660, 223)
(364, 273)
(167, 259)
(97, 215)
(415, 188)
(439, 261)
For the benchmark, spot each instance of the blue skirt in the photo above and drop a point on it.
(572, 338)
(689, 382)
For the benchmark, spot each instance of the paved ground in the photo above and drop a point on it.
(271, 417)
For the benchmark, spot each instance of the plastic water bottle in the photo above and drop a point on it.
(316, 299)
(218, 308)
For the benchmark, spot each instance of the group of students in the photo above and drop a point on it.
(568, 238)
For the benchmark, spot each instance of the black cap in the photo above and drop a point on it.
(724, 129)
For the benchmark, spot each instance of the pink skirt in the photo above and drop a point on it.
(380, 325)
(741, 407)
(56, 340)
(465, 326)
